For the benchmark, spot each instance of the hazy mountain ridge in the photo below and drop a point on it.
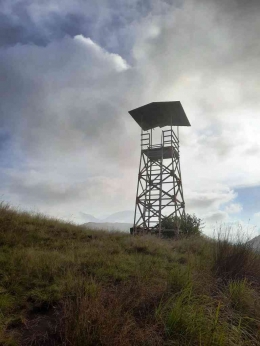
(119, 221)
(89, 217)
(255, 242)
(125, 216)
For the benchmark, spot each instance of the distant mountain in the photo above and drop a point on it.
(89, 218)
(125, 216)
(120, 221)
(109, 226)
(255, 242)
(121, 216)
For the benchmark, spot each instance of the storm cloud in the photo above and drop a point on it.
(71, 71)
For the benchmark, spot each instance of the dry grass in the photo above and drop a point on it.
(235, 260)
(61, 284)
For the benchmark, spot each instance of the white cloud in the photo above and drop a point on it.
(66, 105)
(119, 63)
(209, 199)
(234, 208)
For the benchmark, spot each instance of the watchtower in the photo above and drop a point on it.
(159, 188)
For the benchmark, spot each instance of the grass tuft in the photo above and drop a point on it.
(234, 259)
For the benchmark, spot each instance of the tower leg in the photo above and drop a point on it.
(159, 189)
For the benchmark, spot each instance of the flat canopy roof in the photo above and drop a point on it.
(160, 114)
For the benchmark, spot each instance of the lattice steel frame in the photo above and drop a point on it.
(159, 189)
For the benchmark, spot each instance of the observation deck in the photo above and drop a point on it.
(157, 153)
(169, 147)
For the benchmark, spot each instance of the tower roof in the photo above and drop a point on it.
(160, 114)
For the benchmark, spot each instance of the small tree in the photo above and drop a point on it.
(188, 224)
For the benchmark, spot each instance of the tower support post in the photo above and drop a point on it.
(159, 188)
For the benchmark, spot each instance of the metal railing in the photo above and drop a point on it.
(169, 138)
(145, 140)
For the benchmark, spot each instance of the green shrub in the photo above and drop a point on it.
(188, 225)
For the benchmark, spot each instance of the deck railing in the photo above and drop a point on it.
(169, 138)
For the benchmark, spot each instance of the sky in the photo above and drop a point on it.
(71, 70)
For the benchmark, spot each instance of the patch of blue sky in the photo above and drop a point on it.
(249, 198)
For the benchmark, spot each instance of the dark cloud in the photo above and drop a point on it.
(64, 95)
(55, 27)
(4, 139)
(237, 5)
(64, 101)
(206, 42)
(109, 23)
(47, 192)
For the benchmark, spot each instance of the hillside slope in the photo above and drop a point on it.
(255, 243)
(61, 284)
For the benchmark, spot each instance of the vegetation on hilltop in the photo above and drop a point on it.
(61, 284)
(189, 225)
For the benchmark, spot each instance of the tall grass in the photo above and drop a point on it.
(234, 258)
(62, 284)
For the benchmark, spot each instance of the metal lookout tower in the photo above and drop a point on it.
(159, 188)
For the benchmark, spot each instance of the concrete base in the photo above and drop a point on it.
(165, 233)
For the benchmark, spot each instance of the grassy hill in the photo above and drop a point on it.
(61, 284)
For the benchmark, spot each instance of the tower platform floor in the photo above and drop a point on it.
(161, 152)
